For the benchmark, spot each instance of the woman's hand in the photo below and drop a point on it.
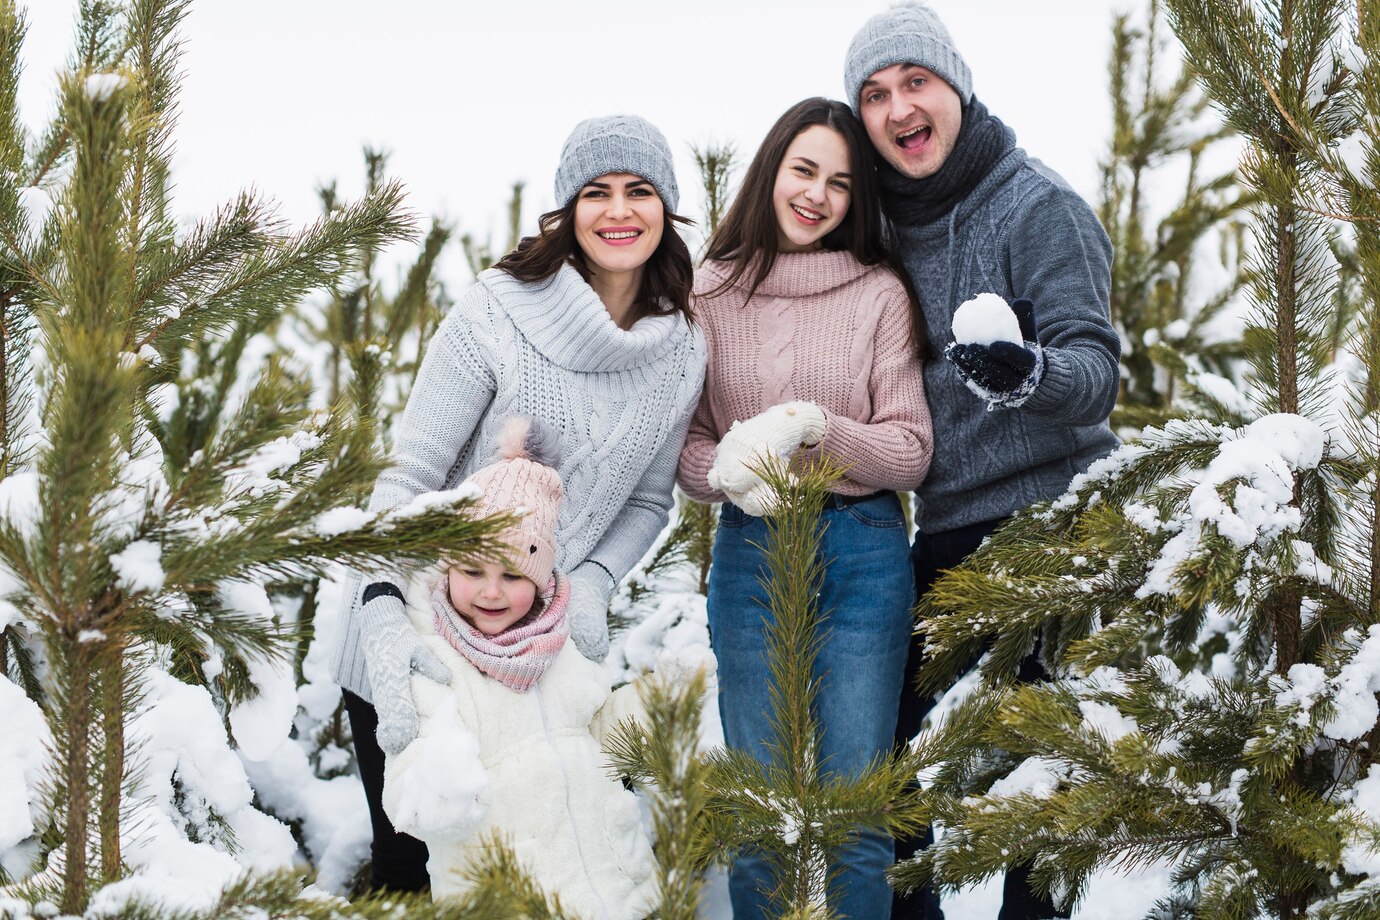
(591, 587)
(773, 433)
(392, 651)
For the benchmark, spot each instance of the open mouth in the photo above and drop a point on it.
(807, 216)
(619, 236)
(491, 611)
(915, 138)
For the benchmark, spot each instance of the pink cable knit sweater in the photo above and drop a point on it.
(822, 327)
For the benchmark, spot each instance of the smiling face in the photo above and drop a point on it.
(619, 219)
(812, 190)
(489, 596)
(912, 118)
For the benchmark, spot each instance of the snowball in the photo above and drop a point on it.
(986, 319)
(440, 790)
(139, 566)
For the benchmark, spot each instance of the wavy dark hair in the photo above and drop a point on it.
(666, 283)
(749, 234)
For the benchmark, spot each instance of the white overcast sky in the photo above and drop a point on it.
(282, 94)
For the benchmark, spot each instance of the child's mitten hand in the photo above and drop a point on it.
(588, 611)
(392, 651)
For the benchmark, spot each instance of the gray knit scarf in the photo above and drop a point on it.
(982, 140)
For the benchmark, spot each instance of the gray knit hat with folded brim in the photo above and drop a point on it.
(908, 33)
(616, 144)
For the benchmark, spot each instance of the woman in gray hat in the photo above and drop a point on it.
(585, 326)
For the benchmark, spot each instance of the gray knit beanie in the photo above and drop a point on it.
(614, 144)
(908, 33)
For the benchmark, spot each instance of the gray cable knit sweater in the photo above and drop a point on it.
(621, 401)
(1022, 232)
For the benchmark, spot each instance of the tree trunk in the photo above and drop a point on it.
(112, 763)
(1286, 317)
(75, 724)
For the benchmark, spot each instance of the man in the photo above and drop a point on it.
(1013, 423)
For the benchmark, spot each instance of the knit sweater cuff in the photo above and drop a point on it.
(692, 474)
(892, 455)
(597, 574)
(1056, 387)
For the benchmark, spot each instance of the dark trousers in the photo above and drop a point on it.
(930, 555)
(399, 861)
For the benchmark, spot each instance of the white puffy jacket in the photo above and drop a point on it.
(574, 828)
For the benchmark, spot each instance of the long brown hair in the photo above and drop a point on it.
(666, 282)
(749, 235)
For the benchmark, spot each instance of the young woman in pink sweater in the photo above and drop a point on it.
(812, 341)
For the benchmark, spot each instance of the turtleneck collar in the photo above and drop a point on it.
(982, 142)
(793, 274)
(567, 323)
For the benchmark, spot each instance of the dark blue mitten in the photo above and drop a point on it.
(1003, 373)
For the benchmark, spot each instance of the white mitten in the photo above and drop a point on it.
(759, 501)
(775, 432)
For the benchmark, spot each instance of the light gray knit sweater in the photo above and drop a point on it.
(620, 400)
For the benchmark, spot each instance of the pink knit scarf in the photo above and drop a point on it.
(519, 655)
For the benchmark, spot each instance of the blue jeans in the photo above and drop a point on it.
(865, 603)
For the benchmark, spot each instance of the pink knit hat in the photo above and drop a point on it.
(524, 481)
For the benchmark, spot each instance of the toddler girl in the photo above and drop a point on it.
(512, 744)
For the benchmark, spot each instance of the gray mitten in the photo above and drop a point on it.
(392, 651)
(591, 586)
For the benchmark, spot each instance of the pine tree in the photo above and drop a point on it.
(480, 256)
(663, 758)
(1165, 321)
(793, 809)
(120, 548)
(1250, 770)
